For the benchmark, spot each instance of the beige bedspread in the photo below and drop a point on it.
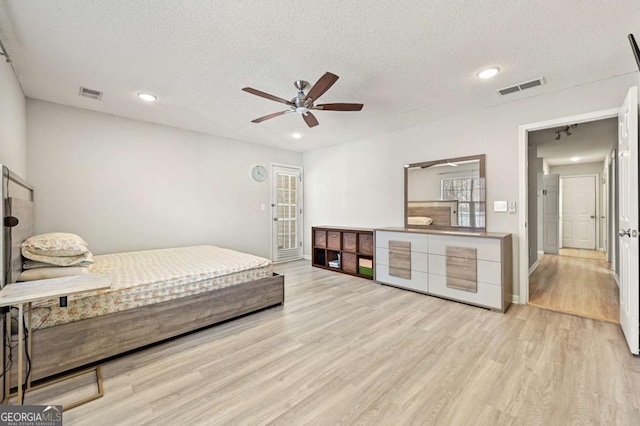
(146, 277)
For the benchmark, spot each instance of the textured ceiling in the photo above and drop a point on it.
(408, 61)
(590, 142)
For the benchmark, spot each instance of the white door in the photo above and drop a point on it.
(551, 213)
(628, 214)
(286, 206)
(579, 212)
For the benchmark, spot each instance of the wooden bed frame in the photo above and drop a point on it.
(439, 212)
(65, 347)
(61, 348)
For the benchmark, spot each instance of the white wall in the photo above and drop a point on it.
(577, 169)
(13, 129)
(128, 185)
(361, 183)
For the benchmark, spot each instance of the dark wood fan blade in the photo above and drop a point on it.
(339, 107)
(267, 117)
(310, 119)
(266, 95)
(322, 85)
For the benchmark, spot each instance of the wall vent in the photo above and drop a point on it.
(90, 93)
(521, 86)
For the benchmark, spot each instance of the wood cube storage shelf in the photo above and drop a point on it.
(352, 246)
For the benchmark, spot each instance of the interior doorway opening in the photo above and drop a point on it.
(569, 218)
(546, 153)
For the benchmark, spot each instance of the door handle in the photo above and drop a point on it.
(592, 216)
(275, 219)
(622, 232)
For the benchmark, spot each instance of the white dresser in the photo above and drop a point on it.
(470, 267)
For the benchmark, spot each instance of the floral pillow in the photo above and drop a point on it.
(56, 244)
(82, 259)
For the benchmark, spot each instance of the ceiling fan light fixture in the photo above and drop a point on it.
(147, 97)
(488, 73)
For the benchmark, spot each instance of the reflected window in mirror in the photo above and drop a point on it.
(446, 193)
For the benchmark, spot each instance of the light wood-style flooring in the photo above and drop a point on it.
(585, 254)
(575, 285)
(344, 350)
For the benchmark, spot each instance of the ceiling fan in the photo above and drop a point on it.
(304, 103)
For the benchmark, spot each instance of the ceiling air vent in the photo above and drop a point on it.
(90, 93)
(521, 86)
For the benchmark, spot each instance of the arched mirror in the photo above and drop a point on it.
(446, 193)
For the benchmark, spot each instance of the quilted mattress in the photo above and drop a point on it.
(146, 277)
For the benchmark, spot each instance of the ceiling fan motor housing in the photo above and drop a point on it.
(301, 104)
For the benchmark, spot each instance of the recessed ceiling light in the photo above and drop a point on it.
(296, 135)
(148, 97)
(488, 73)
(574, 159)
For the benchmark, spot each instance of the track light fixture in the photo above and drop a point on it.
(565, 131)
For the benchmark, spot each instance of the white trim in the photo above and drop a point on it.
(523, 137)
(540, 252)
(534, 266)
(515, 299)
(306, 256)
(560, 212)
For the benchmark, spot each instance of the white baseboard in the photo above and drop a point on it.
(533, 267)
(540, 252)
(306, 256)
(515, 299)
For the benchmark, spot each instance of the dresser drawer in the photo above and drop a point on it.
(488, 272)
(419, 261)
(487, 248)
(419, 242)
(418, 280)
(488, 295)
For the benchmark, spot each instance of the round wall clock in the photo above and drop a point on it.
(259, 173)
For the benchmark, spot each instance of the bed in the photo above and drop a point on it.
(155, 295)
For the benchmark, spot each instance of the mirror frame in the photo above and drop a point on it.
(424, 165)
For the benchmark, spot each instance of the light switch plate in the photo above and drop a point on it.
(500, 206)
(512, 206)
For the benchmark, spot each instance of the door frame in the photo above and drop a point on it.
(523, 217)
(596, 182)
(273, 200)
